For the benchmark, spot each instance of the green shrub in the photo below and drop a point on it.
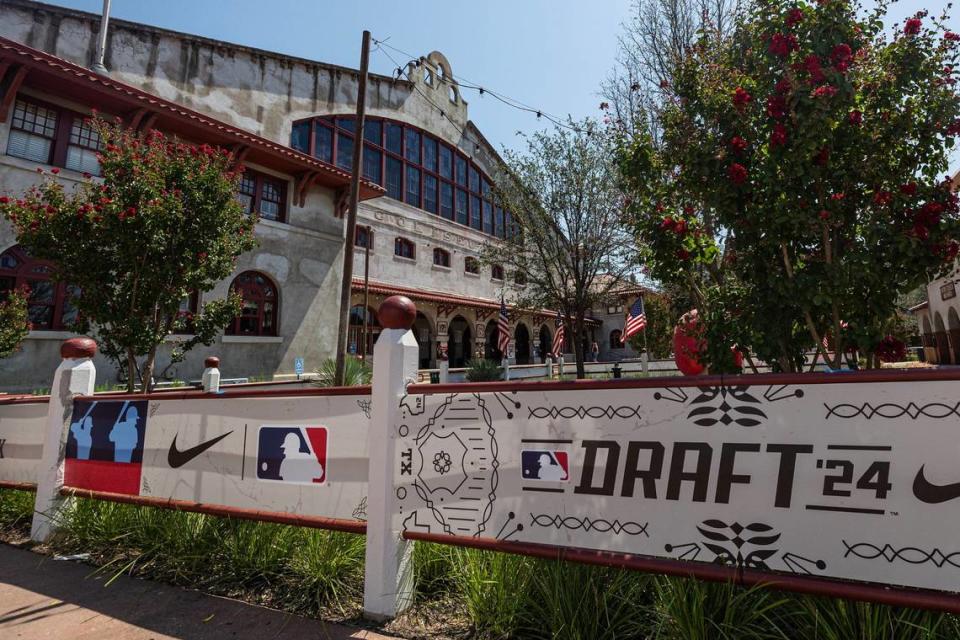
(483, 371)
(356, 372)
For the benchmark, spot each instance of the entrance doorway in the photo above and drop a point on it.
(459, 342)
(522, 337)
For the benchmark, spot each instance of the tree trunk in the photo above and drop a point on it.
(131, 371)
(148, 365)
(578, 346)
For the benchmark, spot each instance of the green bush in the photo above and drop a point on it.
(483, 371)
(356, 372)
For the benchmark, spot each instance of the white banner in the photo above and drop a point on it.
(846, 480)
(303, 455)
(22, 429)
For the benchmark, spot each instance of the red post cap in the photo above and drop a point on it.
(397, 312)
(212, 362)
(83, 347)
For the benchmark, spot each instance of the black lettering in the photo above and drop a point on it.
(590, 461)
(3, 441)
(700, 477)
(631, 473)
(406, 465)
(725, 475)
(788, 464)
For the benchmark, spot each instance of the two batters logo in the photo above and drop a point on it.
(296, 455)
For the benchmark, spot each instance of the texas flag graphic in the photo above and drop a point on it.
(295, 455)
(105, 446)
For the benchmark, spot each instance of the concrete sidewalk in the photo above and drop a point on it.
(43, 598)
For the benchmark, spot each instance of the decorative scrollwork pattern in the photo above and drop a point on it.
(585, 412)
(589, 524)
(910, 555)
(891, 410)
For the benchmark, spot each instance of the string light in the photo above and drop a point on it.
(465, 83)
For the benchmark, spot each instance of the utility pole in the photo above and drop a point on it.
(352, 214)
(366, 288)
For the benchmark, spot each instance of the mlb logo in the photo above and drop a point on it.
(294, 455)
(546, 465)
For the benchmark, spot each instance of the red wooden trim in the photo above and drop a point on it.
(21, 399)
(137, 118)
(18, 486)
(149, 122)
(363, 390)
(316, 522)
(11, 92)
(880, 375)
(827, 587)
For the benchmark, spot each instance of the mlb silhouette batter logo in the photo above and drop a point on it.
(296, 455)
(105, 445)
(547, 465)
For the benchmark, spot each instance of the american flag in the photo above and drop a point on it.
(558, 336)
(636, 319)
(503, 326)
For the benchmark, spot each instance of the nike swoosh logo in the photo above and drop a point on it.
(177, 458)
(925, 491)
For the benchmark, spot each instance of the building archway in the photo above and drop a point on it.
(953, 332)
(521, 336)
(459, 342)
(546, 342)
(423, 332)
(943, 342)
(491, 348)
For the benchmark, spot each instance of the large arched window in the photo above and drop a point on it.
(260, 303)
(50, 305)
(412, 165)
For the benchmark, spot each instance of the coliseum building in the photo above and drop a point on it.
(426, 207)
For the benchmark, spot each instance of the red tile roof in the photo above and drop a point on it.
(61, 77)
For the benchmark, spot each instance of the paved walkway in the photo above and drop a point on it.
(42, 598)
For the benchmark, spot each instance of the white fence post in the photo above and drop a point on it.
(388, 579)
(211, 375)
(548, 367)
(76, 376)
(505, 363)
(560, 366)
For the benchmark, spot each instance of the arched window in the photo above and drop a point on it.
(405, 248)
(49, 306)
(441, 257)
(616, 342)
(496, 272)
(520, 278)
(260, 302)
(413, 166)
(471, 265)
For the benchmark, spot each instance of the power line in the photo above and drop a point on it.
(466, 83)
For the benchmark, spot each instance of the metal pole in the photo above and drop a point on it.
(98, 66)
(366, 290)
(345, 288)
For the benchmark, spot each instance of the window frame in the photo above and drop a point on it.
(60, 141)
(400, 241)
(259, 178)
(233, 329)
(476, 184)
(497, 273)
(24, 273)
(441, 257)
(467, 262)
(356, 237)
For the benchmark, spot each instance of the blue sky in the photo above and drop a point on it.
(550, 54)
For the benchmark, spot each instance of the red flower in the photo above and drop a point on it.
(202, 256)
(837, 197)
(741, 97)
(776, 106)
(131, 212)
(783, 86)
(738, 143)
(811, 64)
(4, 200)
(824, 214)
(827, 90)
(909, 189)
(856, 118)
(794, 16)
(778, 137)
(912, 27)
(781, 45)
(951, 36)
(683, 254)
(55, 171)
(737, 173)
(667, 223)
(921, 231)
(882, 198)
(680, 227)
(891, 349)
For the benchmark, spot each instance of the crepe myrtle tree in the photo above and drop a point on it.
(14, 321)
(802, 172)
(162, 224)
(567, 248)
